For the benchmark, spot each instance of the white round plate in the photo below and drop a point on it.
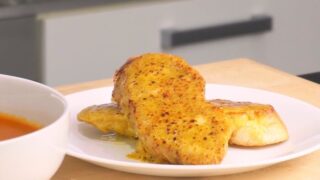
(301, 119)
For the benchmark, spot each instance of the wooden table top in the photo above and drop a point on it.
(241, 72)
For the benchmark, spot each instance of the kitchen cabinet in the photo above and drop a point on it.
(88, 44)
(18, 48)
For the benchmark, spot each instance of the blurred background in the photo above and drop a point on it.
(59, 42)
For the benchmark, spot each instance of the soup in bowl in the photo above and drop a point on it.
(33, 127)
(13, 126)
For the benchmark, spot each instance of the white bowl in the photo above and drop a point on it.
(36, 155)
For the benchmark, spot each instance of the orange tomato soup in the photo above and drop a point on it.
(12, 126)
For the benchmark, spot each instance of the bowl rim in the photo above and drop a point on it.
(56, 93)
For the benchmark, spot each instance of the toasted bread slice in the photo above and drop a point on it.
(256, 124)
(107, 117)
(163, 98)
